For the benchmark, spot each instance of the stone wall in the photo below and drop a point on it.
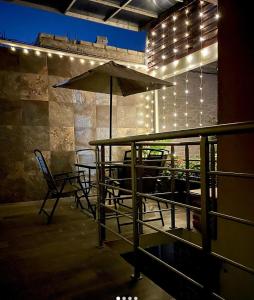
(91, 49)
(57, 121)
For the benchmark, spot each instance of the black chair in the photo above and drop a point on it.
(61, 186)
(146, 184)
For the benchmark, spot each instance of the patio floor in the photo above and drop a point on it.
(62, 261)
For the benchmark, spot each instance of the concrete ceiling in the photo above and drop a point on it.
(129, 14)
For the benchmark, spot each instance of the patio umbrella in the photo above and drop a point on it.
(113, 79)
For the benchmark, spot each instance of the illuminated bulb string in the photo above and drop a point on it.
(175, 82)
(187, 23)
(201, 101)
(152, 112)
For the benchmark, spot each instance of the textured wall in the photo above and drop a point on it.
(57, 121)
(209, 106)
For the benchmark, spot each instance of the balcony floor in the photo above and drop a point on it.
(61, 260)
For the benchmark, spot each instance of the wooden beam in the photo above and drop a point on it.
(118, 10)
(215, 2)
(72, 2)
(127, 8)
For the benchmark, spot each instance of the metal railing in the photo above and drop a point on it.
(207, 172)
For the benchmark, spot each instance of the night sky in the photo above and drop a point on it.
(24, 23)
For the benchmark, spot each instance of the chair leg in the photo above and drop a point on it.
(160, 212)
(117, 215)
(53, 210)
(44, 202)
(85, 194)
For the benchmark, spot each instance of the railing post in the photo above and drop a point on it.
(135, 210)
(140, 187)
(205, 207)
(187, 166)
(101, 198)
(173, 222)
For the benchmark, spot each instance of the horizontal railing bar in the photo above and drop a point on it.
(117, 211)
(170, 234)
(117, 234)
(144, 213)
(168, 168)
(223, 129)
(232, 218)
(171, 268)
(234, 263)
(190, 143)
(232, 174)
(149, 196)
(115, 187)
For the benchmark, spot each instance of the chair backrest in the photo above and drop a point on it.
(45, 170)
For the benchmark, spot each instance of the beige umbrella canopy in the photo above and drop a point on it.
(125, 81)
(113, 79)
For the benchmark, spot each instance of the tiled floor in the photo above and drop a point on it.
(62, 260)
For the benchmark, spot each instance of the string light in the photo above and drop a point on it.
(174, 78)
(49, 54)
(38, 53)
(82, 61)
(25, 51)
(201, 101)
(13, 49)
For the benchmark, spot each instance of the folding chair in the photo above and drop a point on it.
(60, 186)
(146, 185)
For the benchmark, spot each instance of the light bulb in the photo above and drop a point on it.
(60, 55)
(174, 40)
(25, 51)
(38, 53)
(200, 124)
(92, 63)
(174, 83)
(174, 28)
(174, 17)
(163, 25)
(187, 102)
(201, 26)
(163, 97)
(201, 113)
(153, 33)
(164, 87)
(163, 46)
(163, 35)
(174, 104)
(174, 93)
(186, 114)
(163, 126)
(49, 55)
(163, 56)
(186, 91)
(153, 43)
(13, 49)
(187, 22)
(201, 100)
(187, 46)
(217, 16)
(187, 80)
(201, 14)
(71, 58)
(175, 124)
(186, 11)
(201, 39)
(175, 50)
(175, 114)
(187, 125)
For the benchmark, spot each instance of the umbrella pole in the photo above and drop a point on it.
(110, 115)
